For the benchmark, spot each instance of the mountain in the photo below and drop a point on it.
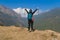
(19, 33)
(48, 20)
(9, 17)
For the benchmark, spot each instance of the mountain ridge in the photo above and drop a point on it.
(48, 20)
(9, 17)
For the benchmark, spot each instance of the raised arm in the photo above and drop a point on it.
(35, 11)
(26, 10)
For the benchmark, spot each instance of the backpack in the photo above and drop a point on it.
(30, 16)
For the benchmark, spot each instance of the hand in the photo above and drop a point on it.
(25, 9)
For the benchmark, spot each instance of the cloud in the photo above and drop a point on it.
(38, 12)
(47, 10)
(23, 13)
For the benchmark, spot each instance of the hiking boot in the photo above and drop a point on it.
(33, 30)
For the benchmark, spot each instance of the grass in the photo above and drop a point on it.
(19, 33)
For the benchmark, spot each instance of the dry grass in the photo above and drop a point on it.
(19, 33)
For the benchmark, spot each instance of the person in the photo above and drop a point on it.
(30, 19)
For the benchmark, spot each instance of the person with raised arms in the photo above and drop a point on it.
(30, 19)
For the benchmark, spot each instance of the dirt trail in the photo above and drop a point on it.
(19, 33)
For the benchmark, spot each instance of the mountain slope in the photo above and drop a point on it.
(9, 17)
(48, 20)
(19, 33)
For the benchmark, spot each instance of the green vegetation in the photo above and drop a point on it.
(48, 20)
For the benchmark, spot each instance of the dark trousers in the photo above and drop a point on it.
(30, 24)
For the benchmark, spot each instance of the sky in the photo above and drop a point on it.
(41, 4)
(19, 5)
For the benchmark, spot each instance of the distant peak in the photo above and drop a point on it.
(56, 8)
(2, 6)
